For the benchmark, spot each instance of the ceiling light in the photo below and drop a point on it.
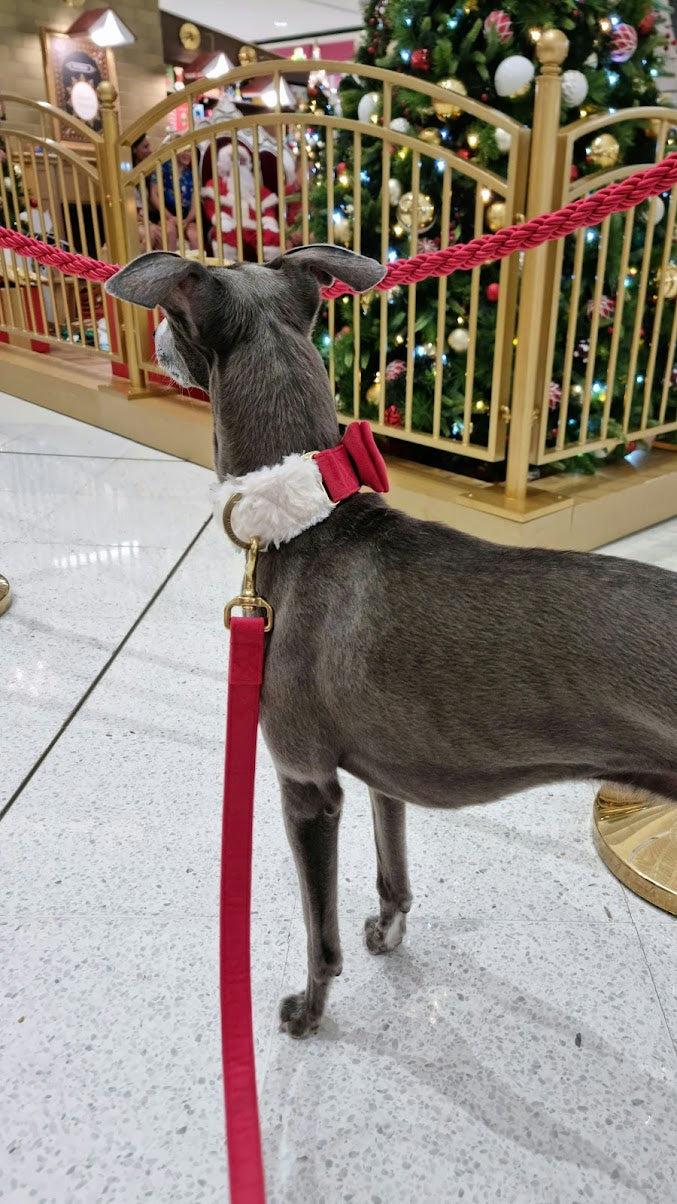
(280, 24)
(104, 27)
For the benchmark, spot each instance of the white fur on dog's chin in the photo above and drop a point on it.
(277, 503)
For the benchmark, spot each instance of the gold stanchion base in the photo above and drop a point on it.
(5, 594)
(637, 841)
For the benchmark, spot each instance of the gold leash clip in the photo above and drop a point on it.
(248, 600)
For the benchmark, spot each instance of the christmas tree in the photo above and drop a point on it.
(614, 62)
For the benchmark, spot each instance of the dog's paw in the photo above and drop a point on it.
(295, 1017)
(383, 937)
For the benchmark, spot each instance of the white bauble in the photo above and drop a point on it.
(394, 191)
(458, 339)
(513, 74)
(574, 88)
(368, 106)
(653, 211)
(400, 125)
(503, 139)
(592, 60)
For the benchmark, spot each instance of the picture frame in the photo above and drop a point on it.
(74, 67)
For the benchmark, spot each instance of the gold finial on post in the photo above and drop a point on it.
(551, 50)
(107, 94)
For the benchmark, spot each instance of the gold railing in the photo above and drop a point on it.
(53, 191)
(562, 382)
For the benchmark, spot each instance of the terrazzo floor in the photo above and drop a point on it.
(519, 1046)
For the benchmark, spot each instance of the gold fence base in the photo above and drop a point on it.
(637, 841)
(576, 513)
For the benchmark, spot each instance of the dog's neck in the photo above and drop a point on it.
(271, 406)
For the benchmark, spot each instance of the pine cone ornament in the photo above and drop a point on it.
(501, 24)
(392, 416)
(607, 306)
(554, 395)
(394, 370)
(623, 43)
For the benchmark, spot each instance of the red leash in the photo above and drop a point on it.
(245, 674)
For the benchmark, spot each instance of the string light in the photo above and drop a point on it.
(405, 55)
(440, 164)
(365, 177)
(485, 194)
(535, 34)
(473, 141)
(398, 230)
(392, 256)
(452, 22)
(613, 78)
(639, 379)
(591, 236)
(605, 25)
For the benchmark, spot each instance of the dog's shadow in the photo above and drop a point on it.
(307, 1094)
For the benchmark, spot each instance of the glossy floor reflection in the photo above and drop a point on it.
(520, 1046)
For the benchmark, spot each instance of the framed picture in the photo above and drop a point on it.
(74, 68)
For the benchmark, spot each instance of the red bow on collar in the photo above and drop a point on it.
(355, 462)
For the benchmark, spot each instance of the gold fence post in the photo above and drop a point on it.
(115, 224)
(534, 312)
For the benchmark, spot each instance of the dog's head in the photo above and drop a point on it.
(242, 335)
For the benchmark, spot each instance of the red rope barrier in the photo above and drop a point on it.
(545, 227)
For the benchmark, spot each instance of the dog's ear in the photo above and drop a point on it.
(328, 263)
(180, 286)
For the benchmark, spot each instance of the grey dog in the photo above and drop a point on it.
(437, 668)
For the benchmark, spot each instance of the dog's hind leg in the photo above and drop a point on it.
(385, 931)
(312, 813)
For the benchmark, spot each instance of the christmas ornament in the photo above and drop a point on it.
(367, 109)
(392, 416)
(623, 43)
(426, 211)
(646, 25)
(554, 395)
(400, 125)
(500, 23)
(459, 339)
(394, 191)
(607, 306)
(341, 168)
(430, 134)
(342, 229)
(670, 284)
(496, 216)
(463, 153)
(591, 61)
(574, 173)
(604, 151)
(503, 139)
(443, 108)
(581, 351)
(246, 55)
(395, 369)
(574, 88)
(480, 406)
(427, 245)
(373, 393)
(491, 293)
(513, 75)
(366, 301)
(420, 60)
(653, 211)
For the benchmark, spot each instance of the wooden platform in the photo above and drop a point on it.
(563, 512)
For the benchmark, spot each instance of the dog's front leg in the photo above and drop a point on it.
(312, 813)
(385, 931)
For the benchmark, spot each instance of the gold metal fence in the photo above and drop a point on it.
(565, 378)
(53, 191)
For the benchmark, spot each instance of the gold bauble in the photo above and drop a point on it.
(342, 229)
(496, 216)
(444, 109)
(373, 393)
(366, 301)
(670, 286)
(653, 129)
(247, 55)
(431, 135)
(190, 36)
(604, 150)
(426, 211)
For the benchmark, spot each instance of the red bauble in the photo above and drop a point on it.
(484, 97)
(574, 173)
(646, 25)
(392, 416)
(420, 60)
(341, 167)
(463, 153)
(312, 90)
(491, 293)
(623, 43)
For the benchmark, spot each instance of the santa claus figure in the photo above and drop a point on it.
(224, 211)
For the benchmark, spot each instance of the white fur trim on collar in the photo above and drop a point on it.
(277, 503)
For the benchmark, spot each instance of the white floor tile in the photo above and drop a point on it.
(518, 1047)
(29, 428)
